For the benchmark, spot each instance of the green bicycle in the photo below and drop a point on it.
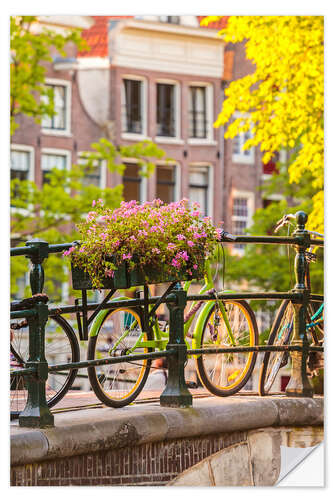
(220, 323)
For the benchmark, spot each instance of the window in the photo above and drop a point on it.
(20, 164)
(197, 112)
(198, 187)
(132, 106)
(238, 154)
(170, 19)
(166, 183)
(21, 168)
(50, 161)
(166, 110)
(240, 218)
(132, 182)
(59, 123)
(58, 120)
(93, 174)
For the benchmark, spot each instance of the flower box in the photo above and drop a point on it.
(82, 281)
(137, 244)
(126, 278)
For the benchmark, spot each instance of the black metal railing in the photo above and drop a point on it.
(176, 393)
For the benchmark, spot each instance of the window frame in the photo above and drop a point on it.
(102, 183)
(209, 97)
(68, 108)
(250, 208)
(143, 181)
(241, 157)
(26, 149)
(176, 139)
(56, 152)
(144, 107)
(176, 167)
(210, 179)
(31, 172)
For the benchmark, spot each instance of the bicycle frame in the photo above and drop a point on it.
(161, 338)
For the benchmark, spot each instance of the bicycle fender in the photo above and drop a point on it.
(198, 330)
(100, 318)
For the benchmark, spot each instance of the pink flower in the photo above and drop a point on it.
(175, 263)
(156, 250)
(69, 251)
(127, 256)
(190, 243)
(109, 273)
(171, 246)
(180, 237)
(195, 266)
(183, 255)
(103, 236)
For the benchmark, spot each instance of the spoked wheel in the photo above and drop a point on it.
(225, 374)
(316, 318)
(118, 384)
(61, 346)
(280, 335)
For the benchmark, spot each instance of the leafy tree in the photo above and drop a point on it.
(282, 101)
(51, 211)
(30, 46)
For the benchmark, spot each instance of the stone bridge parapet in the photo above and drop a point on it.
(220, 441)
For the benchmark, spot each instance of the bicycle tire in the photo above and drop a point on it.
(313, 307)
(283, 328)
(56, 386)
(234, 376)
(117, 385)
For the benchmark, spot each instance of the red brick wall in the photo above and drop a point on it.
(146, 464)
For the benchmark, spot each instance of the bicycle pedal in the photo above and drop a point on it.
(191, 385)
(101, 379)
(284, 361)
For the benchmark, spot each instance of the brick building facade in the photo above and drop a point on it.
(158, 78)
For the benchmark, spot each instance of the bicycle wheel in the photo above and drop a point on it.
(225, 374)
(61, 346)
(280, 335)
(118, 384)
(316, 313)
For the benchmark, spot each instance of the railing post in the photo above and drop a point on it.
(36, 412)
(176, 393)
(299, 384)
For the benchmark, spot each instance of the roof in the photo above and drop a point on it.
(216, 25)
(97, 35)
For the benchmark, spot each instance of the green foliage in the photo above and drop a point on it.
(30, 46)
(282, 100)
(270, 267)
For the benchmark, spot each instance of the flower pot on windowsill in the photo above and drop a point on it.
(126, 278)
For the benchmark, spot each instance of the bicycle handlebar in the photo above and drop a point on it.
(286, 219)
(225, 236)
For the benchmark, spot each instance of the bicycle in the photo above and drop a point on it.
(282, 328)
(221, 323)
(61, 346)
